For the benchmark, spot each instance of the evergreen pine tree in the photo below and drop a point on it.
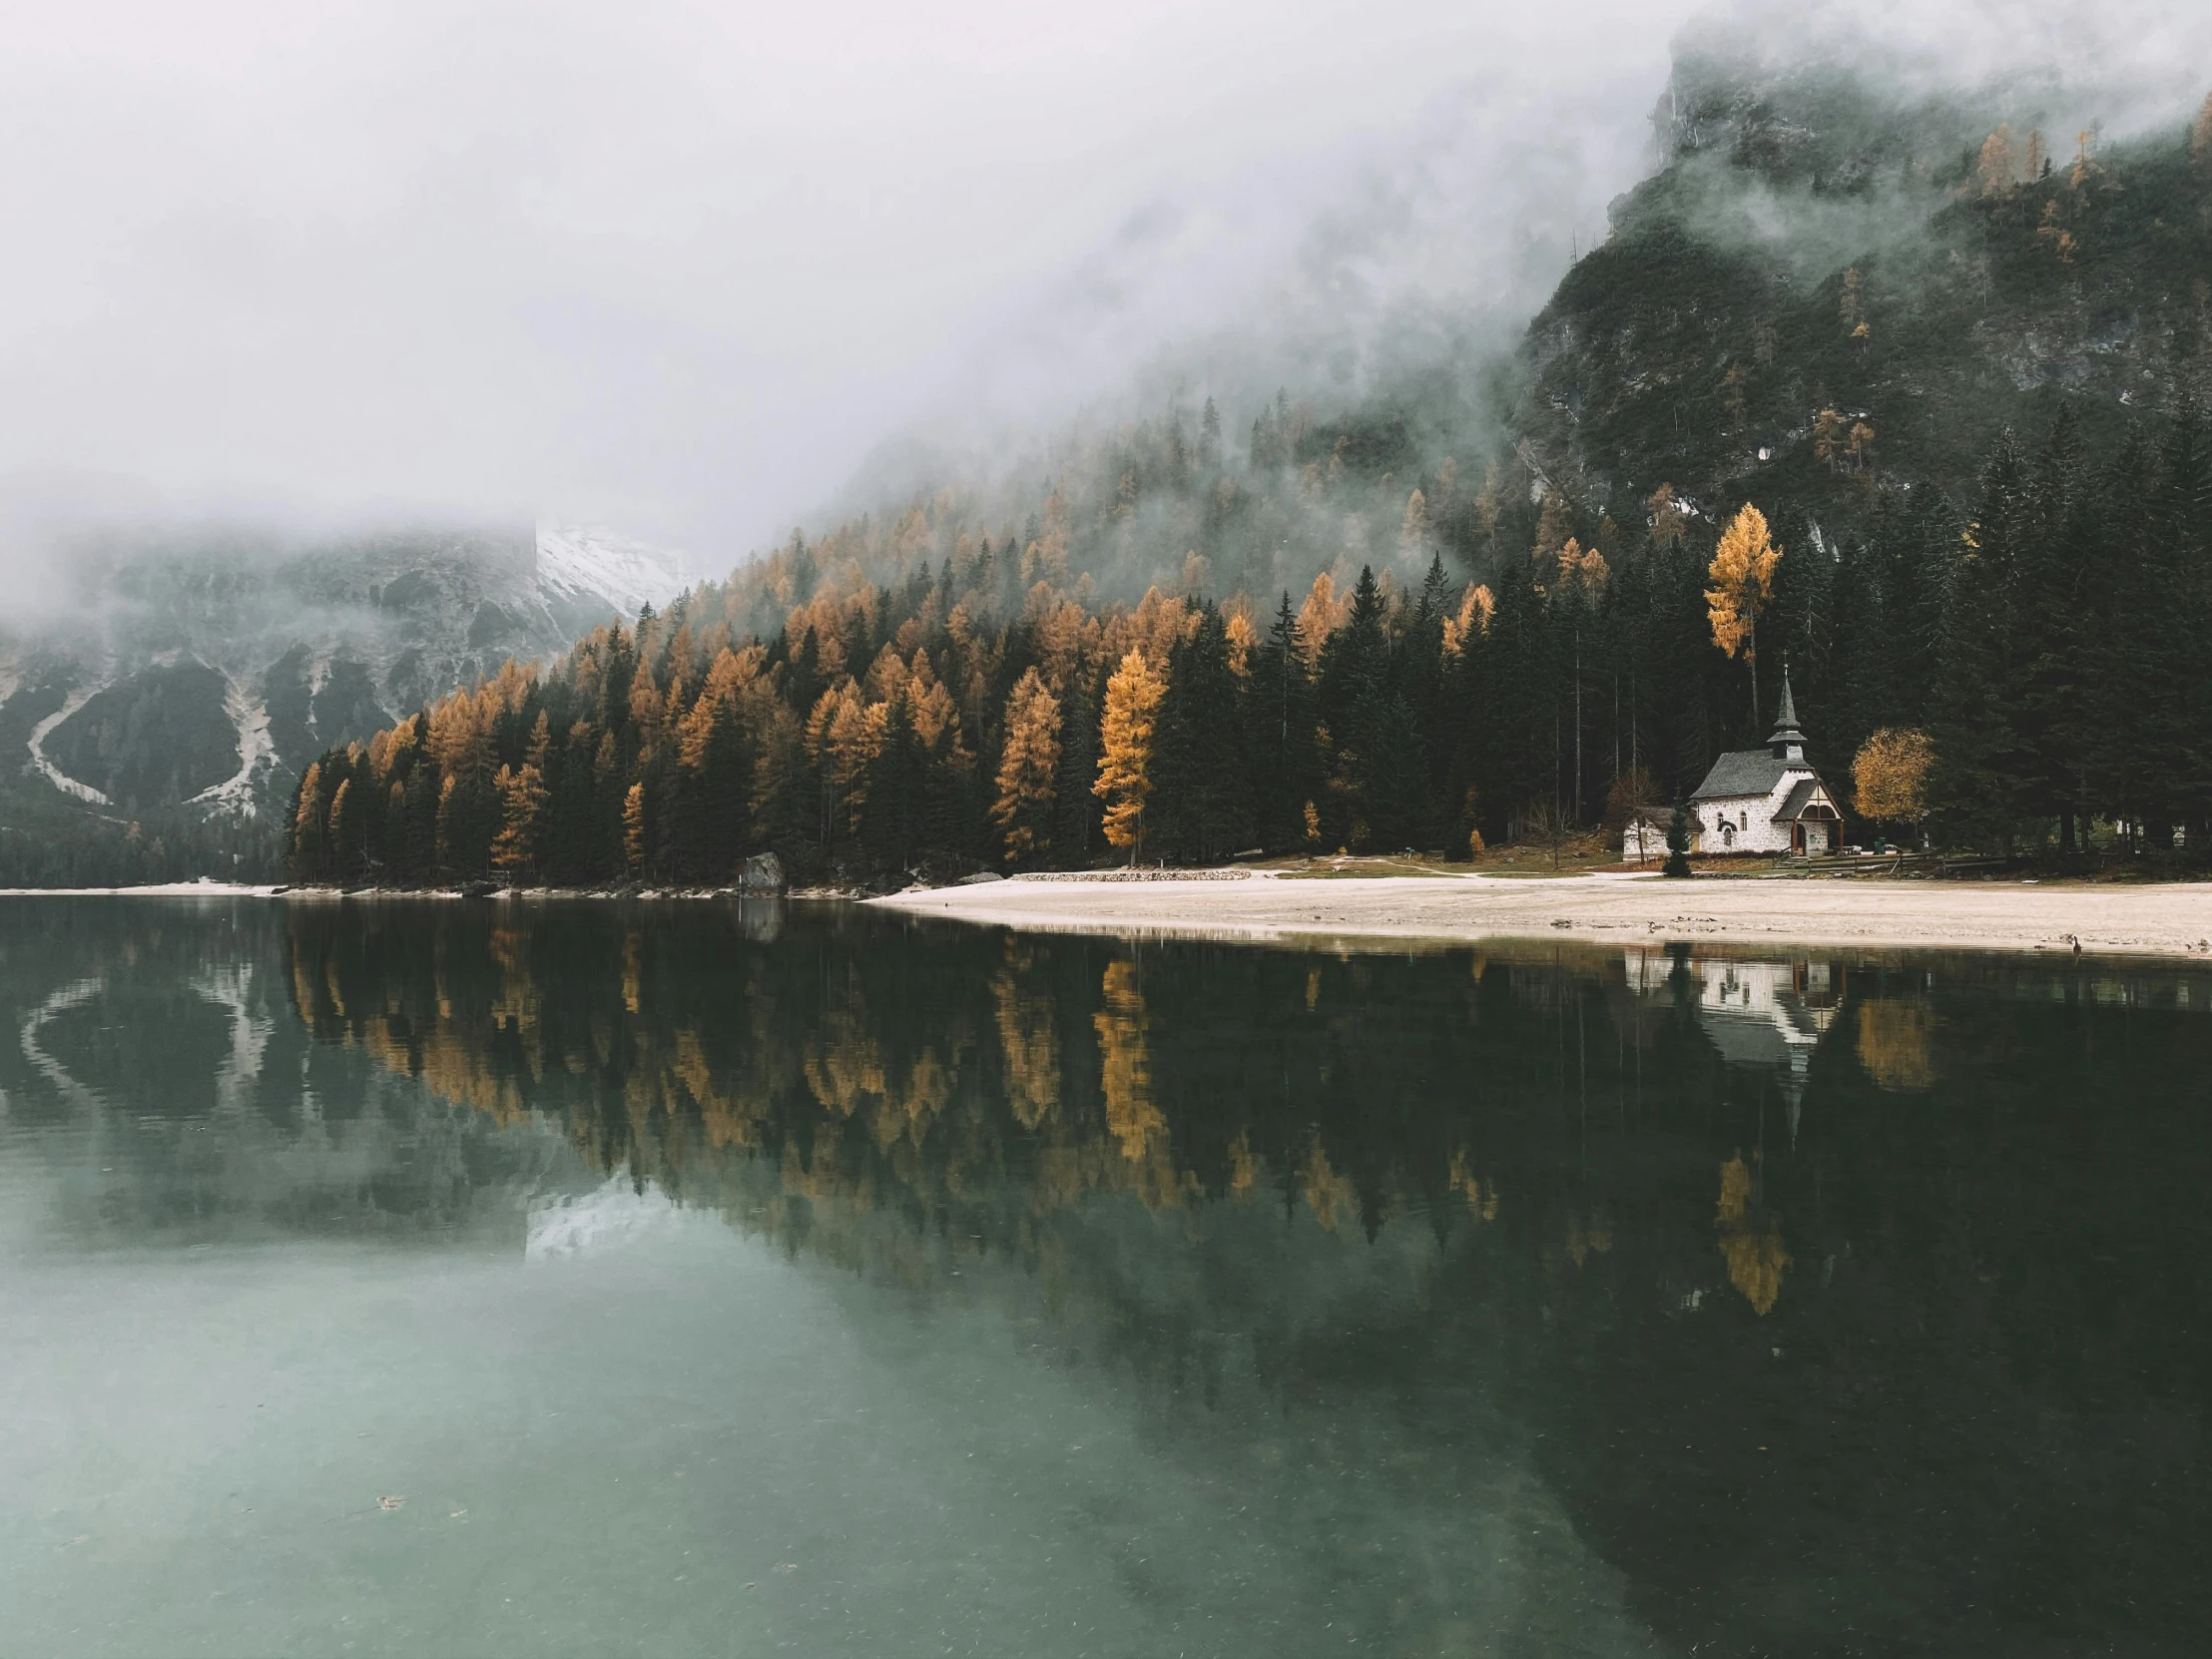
(1678, 842)
(1075, 831)
(1978, 782)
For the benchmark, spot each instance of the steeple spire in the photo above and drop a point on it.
(1788, 741)
(1785, 719)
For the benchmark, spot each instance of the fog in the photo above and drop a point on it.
(676, 266)
(681, 267)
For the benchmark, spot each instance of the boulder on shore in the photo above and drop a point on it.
(763, 873)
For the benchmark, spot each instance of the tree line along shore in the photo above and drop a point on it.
(2044, 659)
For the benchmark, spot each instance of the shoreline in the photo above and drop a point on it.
(156, 890)
(1624, 908)
(2172, 919)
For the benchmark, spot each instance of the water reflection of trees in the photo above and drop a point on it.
(916, 1078)
(1825, 1270)
(866, 1069)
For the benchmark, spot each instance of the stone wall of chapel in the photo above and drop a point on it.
(1749, 819)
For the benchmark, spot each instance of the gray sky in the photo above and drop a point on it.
(676, 264)
(680, 267)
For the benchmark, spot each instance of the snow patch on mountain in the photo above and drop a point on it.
(52, 773)
(580, 562)
(241, 791)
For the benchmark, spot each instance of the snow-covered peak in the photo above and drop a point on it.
(582, 562)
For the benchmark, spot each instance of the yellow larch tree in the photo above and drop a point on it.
(632, 828)
(646, 706)
(522, 795)
(1027, 768)
(1859, 448)
(1125, 750)
(1322, 615)
(733, 685)
(935, 716)
(522, 806)
(1889, 776)
(1583, 572)
(1412, 530)
(851, 738)
(1742, 574)
(1751, 1242)
(344, 830)
(1897, 1043)
(1028, 1040)
(1125, 1064)
(1827, 438)
(1061, 636)
(460, 738)
(2000, 161)
(1243, 637)
(1670, 519)
(306, 827)
(1476, 608)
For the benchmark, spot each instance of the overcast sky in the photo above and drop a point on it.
(676, 264)
(679, 267)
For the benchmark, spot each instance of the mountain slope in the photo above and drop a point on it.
(190, 676)
(1825, 286)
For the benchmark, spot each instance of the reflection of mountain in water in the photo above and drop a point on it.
(1514, 1244)
(157, 1092)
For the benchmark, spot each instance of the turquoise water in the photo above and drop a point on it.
(494, 1279)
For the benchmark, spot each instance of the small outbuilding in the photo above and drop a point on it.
(1767, 799)
(1644, 839)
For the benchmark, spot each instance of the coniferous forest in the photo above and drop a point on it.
(1961, 491)
(978, 714)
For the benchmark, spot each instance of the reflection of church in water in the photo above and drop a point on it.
(1763, 1016)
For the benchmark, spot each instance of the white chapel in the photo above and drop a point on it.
(1767, 799)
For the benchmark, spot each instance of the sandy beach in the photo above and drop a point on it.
(2172, 919)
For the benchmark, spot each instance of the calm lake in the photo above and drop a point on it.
(581, 1278)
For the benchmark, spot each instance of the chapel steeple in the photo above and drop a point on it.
(1788, 743)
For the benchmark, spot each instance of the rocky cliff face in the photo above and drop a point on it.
(1828, 282)
(191, 676)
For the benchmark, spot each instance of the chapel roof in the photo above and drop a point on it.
(1809, 788)
(1747, 772)
(1757, 772)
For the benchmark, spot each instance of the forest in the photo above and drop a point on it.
(1957, 484)
(2048, 649)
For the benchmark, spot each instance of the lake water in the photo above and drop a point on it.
(420, 1278)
